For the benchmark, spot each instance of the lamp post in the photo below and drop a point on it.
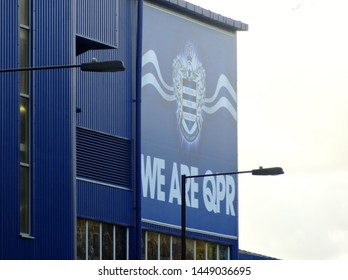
(103, 66)
(273, 171)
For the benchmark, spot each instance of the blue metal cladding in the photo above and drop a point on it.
(244, 255)
(98, 20)
(53, 208)
(104, 203)
(9, 131)
(106, 99)
(107, 107)
(53, 91)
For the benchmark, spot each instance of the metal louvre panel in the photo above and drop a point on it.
(103, 157)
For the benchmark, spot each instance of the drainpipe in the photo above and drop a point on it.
(138, 230)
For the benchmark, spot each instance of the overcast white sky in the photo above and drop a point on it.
(293, 113)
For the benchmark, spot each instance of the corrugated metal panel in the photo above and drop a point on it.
(104, 203)
(103, 157)
(9, 131)
(106, 99)
(98, 20)
(53, 130)
(107, 106)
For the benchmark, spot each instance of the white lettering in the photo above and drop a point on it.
(230, 195)
(220, 191)
(216, 190)
(209, 193)
(147, 177)
(194, 188)
(161, 180)
(150, 174)
(174, 192)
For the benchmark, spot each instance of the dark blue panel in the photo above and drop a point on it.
(53, 130)
(53, 211)
(104, 203)
(9, 128)
(98, 20)
(244, 255)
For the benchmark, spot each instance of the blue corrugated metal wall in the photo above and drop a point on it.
(104, 203)
(106, 101)
(53, 129)
(52, 134)
(9, 131)
(98, 20)
(107, 107)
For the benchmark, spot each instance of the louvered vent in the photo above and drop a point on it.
(102, 157)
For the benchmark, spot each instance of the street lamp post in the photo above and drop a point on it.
(103, 66)
(258, 172)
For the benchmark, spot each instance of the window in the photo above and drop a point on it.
(212, 251)
(167, 247)
(101, 241)
(200, 251)
(24, 111)
(107, 241)
(223, 252)
(176, 245)
(190, 249)
(93, 240)
(152, 246)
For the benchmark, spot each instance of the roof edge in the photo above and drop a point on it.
(202, 14)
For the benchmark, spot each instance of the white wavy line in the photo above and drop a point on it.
(222, 82)
(222, 103)
(150, 79)
(151, 57)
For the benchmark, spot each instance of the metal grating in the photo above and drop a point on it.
(103, 157)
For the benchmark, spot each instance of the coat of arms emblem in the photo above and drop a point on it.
(189, 90)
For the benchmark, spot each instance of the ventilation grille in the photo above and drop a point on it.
(102, 157)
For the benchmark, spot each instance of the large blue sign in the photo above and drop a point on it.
(189, 123)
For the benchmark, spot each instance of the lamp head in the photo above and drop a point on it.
(104, 66)
(272, 171)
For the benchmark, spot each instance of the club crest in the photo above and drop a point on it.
(189, 90)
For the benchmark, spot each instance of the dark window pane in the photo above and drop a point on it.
(121, 243)
(152, 246)
(24, 60)
(200, 250)
(24, 130)
(223, 252)
(165, 247)
(107, 242)
(143, 244)
(24, 200)
(176, 248)
(81, 239)
(190, 249)
(93, 240)
(212, 248)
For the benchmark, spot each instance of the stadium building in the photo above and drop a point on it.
(91, 161)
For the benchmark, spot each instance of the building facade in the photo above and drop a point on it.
(91, 162)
